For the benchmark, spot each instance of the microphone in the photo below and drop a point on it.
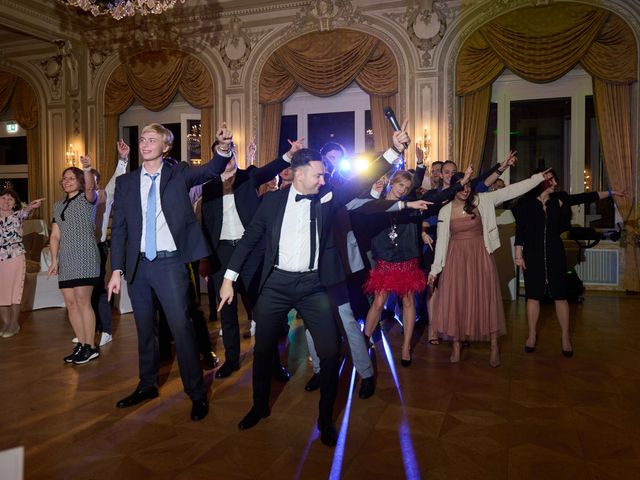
(388, 112)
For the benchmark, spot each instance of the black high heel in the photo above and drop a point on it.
(528, 349)
(405, 363)
(566, 353)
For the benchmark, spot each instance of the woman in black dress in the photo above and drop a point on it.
(75, 258)
(541, 216)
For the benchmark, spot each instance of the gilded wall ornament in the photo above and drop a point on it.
(325, 15)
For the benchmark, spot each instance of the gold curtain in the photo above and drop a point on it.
(542, 44)
(154, 78)
(24, 105)
(324, 63)
(612, 104)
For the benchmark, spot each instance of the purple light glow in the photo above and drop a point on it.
(406, 445)
(338, 455)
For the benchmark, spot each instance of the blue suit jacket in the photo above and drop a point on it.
(175, 182)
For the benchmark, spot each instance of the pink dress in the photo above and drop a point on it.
(467, 304)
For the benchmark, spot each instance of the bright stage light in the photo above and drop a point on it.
(360, 164)
(345, 165)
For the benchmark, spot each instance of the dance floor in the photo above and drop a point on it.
(537, 416)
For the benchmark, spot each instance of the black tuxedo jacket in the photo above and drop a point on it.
(245, 193)
(267, 224)
(175, 182)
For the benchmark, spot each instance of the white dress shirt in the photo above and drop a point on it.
(232, 228)
(164, 239)
(294, 248)
(105, 202)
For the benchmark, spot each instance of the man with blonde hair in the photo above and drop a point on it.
(154, 235)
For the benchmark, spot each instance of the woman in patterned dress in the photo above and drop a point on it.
(13, 262)
(75, 257)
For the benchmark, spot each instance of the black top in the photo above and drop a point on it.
(538, 232)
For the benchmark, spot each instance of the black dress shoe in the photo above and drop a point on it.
(137, 397)
(328, 435)
(281, 373)
(210, 361)
(367, 387)
(199, 410)
(252, 418)
(313, 383)
(226, 369)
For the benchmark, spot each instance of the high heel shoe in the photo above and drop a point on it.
(406, 363)
(529, 349)
(567, 353)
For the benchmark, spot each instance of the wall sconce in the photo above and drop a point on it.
(72, 156)
(587, 181)
(424, 144)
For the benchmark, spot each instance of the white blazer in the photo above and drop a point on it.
(486, 203)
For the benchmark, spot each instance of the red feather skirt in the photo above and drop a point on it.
(397, 277)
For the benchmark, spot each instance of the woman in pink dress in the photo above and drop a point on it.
(468, 302)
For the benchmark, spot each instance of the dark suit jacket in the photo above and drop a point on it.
(245, 193)
(175, 182)
(267, 223)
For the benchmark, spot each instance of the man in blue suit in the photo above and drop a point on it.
(154, 235)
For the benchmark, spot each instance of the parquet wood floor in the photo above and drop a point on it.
(537, 416)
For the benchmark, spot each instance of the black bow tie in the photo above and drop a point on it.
(299, 197)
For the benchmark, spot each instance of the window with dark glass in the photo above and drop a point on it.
(336, 127)
(540, 131)
(288, 131)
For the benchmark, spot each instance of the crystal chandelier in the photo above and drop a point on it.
(119, 9)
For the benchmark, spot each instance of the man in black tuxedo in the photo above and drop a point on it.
(301, 261)
(229, 202)
(154, 235)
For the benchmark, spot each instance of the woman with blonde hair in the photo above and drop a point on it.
(395, 251)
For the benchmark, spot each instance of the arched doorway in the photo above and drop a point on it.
(324, 63)
(154, 78)
(541, 44)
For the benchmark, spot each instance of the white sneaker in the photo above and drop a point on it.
(251, 331)
(75, 340)
(105, 338)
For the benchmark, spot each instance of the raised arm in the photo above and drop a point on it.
(351, 188)
(500, 168)
(214, 167)
(121, 167)
(89, 179)
(264, 174)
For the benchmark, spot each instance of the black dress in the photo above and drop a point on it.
(538, 232)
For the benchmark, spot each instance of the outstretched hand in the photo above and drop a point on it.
(123, 149)
(35, 204)
(296, 145)
(226, 293)
(401, 137)
(85, 160)
(114, 284)
(224, 137)
(419, 204)
(510, 161)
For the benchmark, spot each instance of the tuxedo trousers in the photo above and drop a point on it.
(168, 280)
(281, 292)
(247, 286)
